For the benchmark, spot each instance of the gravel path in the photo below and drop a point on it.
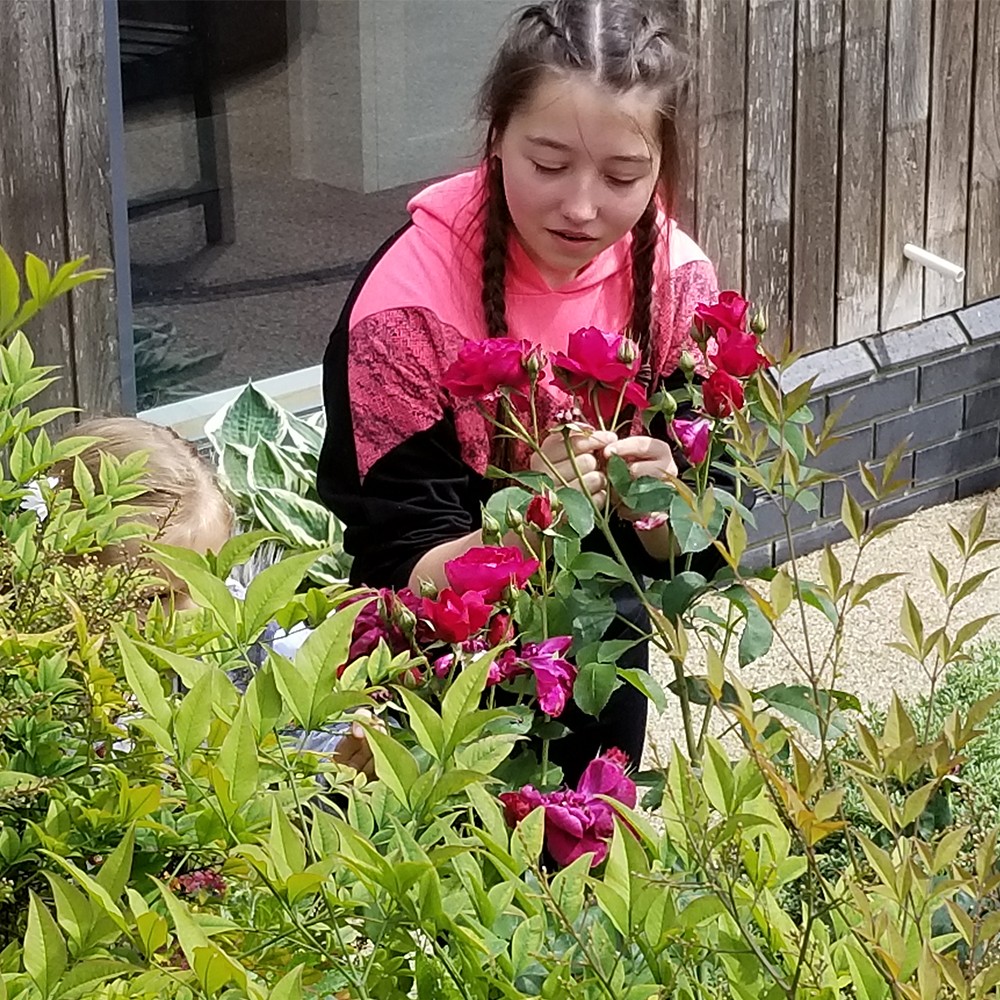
(868, 666)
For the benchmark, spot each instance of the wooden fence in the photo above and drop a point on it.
(55, 197)
(830, 133)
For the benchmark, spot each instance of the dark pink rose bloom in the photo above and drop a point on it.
(455, 617)
(554, 674)
(377, 621)
(736, 352)
(517, 805)
(485, 369)
(728, 313)
(721, 394)
(504, 668)
(490, 569)
(693, 436)
(606, 776)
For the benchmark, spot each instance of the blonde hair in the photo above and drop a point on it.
(182, 496)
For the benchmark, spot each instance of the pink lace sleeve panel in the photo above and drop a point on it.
(397, 359)
(689, 284)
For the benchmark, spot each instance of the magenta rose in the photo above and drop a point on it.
(728, 313)
(379, 620)
(554, 674)
(455, 617)
(694, 437)
(485, 369)
(490, 569)
(599, 368)
(721, 394)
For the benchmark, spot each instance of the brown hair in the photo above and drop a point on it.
(181, 495)
(620, 44)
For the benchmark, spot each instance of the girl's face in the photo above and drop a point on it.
(579, 168)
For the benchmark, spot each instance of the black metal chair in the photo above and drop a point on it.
(166, 53)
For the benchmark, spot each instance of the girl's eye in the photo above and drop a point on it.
(622, 182)
(542, 169)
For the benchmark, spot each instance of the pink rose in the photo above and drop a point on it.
(490, 569)
(736, 353)
(721, 394)
(455, 617)
(504, 668)
(693, 436)
(517, 805)
(378, 620)
(485, 369)
(554, 674)
(728, 313)
(606, 776)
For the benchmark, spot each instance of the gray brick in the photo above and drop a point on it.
(926, 424)
(972, 369)
(979, 482)
(758, 557)
(962, 454)
(833, 493)
(981, 321)
(856, 446)
(929, 339)
(835, 366)
(809, 541)
(912, 502)
(881, 396)
(982, 407)
(770, 523)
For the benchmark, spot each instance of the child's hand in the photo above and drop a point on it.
(587, 449)
(354, 750)
(644, 456)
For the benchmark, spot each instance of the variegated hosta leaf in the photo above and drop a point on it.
(233, 470)
(249, 418)
(304, 522)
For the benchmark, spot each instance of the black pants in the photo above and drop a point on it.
(622, 724)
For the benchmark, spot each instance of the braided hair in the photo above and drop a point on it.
(621, 44)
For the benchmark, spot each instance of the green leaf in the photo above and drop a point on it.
(587, 565)
(239, 549)
(252, 416)
(285, 845)
(690, 535)
(394, 764)
(97, 893)
(647, 684)
(796, 701)
(594, 685)
(427, 725)
(526, 840)
(10, 292)
(289, 987)
(757, 636)
(677, 594)
(144, 681)
(237, 759)
(36, 274)
(73, 910)
(115, 871)
(463, 696)
(44, 953)
(263, 699)
(79, 982)
(193, 718)
(579, 512)
(569, 887)
(190, 936)
(272, 589)
(301, 521)
(204, 586)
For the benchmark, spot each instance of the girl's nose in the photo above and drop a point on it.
(580, 207)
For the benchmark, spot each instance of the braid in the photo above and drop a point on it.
(494, 271)
(643, 259)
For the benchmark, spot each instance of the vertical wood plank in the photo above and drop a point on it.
(814, 246)
(770, 99)
(906, 115)
(859, 268)
(31, 190)
(686, 193)
(983, 263)
(948, 148)
(720, 136)
(80, 64)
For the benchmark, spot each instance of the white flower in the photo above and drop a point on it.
(35, 501)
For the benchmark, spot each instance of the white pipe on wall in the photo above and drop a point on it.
(931, 260)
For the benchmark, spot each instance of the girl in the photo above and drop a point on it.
(566, 224)
(186, 507)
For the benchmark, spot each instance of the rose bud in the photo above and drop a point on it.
(533, 363)
(668, 405)
(758, 321)
(427, 588)
(491, 530)
(403, 617)
(514, 519)
(686, 363)
(627, 352)
(539, 512)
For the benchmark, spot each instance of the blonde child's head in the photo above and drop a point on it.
(182, 501)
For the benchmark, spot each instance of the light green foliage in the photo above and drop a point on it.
(267, 459)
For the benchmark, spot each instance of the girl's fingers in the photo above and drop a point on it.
(656, 469)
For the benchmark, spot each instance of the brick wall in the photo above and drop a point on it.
(938, 381)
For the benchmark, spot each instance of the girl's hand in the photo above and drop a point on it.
(587, 449)
(354, 750)
(644, 456)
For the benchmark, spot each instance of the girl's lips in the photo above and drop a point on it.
(571, 237)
